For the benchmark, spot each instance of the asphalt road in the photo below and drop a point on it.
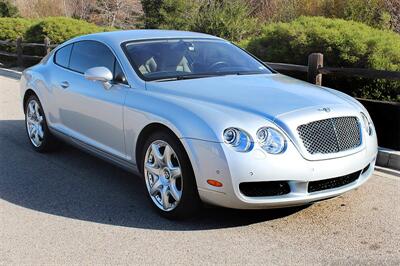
(68, 207)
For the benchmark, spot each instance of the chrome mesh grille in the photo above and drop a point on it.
(331, 135)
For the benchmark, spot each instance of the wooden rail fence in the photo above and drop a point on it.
(19, 45)
(315, 68)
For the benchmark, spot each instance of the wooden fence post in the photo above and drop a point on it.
(46, 43)
(315, 61)
(18, 47)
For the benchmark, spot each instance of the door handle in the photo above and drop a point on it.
(64, 84)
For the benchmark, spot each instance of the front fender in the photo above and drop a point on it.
(143, 108)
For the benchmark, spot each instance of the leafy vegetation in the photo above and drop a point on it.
(274, 30)
(60, 29)
(152, 17)
(178, 14)
(228, 19)
(343, 43)
(12, 28)
(7, 9)
(376, 13)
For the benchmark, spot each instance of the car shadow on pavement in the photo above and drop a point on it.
(73, 184)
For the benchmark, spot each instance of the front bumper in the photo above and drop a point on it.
(219, 162)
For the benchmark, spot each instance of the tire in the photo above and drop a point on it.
(38, 133)
(162, 180)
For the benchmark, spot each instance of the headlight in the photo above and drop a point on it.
(271, 140)
(238, 139)
(367, 124)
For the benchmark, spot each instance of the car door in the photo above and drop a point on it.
(87, 111)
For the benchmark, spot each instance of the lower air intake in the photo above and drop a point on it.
(264, 189)
(336, 182)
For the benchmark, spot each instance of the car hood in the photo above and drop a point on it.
(270, 95)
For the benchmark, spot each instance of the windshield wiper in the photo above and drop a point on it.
(248, 73)
(183, 77)
(198, 76)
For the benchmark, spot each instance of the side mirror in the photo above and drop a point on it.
(101, 74)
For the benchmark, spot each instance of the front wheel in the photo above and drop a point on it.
(169, 177)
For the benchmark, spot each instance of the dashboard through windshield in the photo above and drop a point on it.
(190, 58)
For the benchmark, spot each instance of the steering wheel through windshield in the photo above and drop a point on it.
(218, 65)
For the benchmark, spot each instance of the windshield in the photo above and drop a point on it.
(184, 58)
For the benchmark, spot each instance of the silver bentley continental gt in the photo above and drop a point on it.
(199, 119)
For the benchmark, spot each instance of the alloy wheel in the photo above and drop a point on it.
(163, 175)
(34, 123)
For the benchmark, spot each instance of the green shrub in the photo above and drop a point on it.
(343, 43)
(60, 29)
(12, 28)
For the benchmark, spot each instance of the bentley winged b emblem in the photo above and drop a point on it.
(325, 109)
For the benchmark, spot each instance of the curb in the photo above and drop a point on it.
(386, 172)
(388, 158)
(9, 73)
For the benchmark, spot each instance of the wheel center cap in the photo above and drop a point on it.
(166, 173)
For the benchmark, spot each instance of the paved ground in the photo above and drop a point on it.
(70, 208)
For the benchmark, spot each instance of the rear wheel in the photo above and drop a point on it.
(36, 126)
(169, 177)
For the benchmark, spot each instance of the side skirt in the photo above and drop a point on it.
(130, 167)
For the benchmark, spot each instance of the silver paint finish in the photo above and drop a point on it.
(108, 122)
(101, 74)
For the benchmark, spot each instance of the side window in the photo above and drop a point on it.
(88, 54)
(62, 56)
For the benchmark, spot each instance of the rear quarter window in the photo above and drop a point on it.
(62, 56)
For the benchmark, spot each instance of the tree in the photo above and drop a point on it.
(393, 7)
(229, 19)
(152, 17)
(7, 9)
(179, 14)
(118, 13)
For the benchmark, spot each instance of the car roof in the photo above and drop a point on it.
(115, 38)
